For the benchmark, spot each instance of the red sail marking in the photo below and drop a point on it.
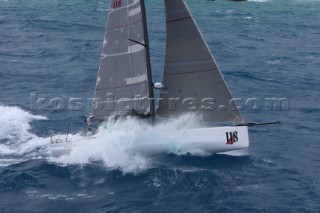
(117, 4)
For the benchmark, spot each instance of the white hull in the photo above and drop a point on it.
(197, 141)
(201, 140)
(214, 140)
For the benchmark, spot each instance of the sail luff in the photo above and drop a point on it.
(191, 74)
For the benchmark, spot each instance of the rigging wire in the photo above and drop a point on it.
(82, 84)
(95, 65)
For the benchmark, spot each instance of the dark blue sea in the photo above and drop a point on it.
(266, 50)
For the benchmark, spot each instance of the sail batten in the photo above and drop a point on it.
(130, 50)
(179, 19)
(125, 25)
(190, 72)
(123, 86)
(192, 80)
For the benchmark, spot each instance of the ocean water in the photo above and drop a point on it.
(50, 50)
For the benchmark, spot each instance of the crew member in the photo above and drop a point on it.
(89, 133)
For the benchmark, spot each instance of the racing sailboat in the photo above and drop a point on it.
(191, 76)
(192, 81)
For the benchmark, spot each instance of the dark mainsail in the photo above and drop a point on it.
(124, 80)
(192, 81)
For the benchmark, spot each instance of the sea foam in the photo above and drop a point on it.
(124, 144)
(118, 145)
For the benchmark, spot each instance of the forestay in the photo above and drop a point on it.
(192, 80)
(123, 85)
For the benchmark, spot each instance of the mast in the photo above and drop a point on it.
(149, 71)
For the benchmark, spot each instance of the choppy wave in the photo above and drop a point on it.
(16, 140)
(16, 124)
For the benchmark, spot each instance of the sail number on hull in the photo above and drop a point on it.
(232, 137)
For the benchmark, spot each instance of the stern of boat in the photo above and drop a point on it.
(216, 139)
